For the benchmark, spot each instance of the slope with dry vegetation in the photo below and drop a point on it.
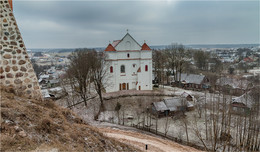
(29, 125)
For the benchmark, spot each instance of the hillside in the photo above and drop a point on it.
(32, 125)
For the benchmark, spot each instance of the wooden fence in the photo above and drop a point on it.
(156, 132)
(161, 134)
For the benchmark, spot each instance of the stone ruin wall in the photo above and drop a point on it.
(16, 69)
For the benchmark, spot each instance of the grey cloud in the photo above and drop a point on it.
(89, 24)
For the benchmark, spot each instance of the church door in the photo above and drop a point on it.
(124, 86)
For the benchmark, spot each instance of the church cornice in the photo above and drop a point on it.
(129, 59)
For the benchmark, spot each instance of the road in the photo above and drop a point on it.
(139, 141)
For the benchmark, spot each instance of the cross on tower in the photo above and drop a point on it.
(127, 30)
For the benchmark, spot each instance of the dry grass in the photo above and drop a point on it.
(32, 125)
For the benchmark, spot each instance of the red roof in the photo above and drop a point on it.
(110, 48)
(115, 42)
(248, 59)
(145, 47)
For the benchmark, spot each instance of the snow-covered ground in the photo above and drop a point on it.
(134, 104)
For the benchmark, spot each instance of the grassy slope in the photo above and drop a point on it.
(28, 124)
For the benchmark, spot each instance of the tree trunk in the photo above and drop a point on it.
(102, 107)
(206, 122)
(118, 120)
(123, 116)
(156, 125)
(186, 129)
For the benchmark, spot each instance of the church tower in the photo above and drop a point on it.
(16, 69)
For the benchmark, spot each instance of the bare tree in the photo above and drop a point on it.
(176, 59)
(79, 72)
(63, 84)
(199, 107)
(98, 70)
(201, 59)
(172, 65)
(167, 125)
(117, 109)
(156, 124)
(185, 123)
(159, 65)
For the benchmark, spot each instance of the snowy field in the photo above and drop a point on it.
(134, 106)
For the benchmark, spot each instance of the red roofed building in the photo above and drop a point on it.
(248, 59)
(145, 47)
(130, 65)
(110, 48)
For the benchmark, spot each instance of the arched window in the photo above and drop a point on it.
(122, 69)
(128, 55)
(111, 69)
(146, 67)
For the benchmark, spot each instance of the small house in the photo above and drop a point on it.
(175, 105)
(56, 93)
(43, 78)
(243, 103)
(187, 96)
(159, 109)
(233, 85)
(53, 83)
(45, 93)
(171, 106)
(193, 81)
(248, 59)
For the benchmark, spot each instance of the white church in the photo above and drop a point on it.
(130, 65)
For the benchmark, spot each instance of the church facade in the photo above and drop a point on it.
(130, 65)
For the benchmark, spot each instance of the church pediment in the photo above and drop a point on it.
(127, 43)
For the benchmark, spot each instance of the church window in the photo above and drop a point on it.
(134, 65)
(146, 67)
(128, 55)
(111, 69)
(122, 69)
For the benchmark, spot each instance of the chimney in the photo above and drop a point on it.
(11, 4)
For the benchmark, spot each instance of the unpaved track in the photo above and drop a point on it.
(139, 141)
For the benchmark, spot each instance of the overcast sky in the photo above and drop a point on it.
(75, 24)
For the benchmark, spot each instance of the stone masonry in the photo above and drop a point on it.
(16, 69)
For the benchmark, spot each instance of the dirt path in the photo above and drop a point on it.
(139, 141)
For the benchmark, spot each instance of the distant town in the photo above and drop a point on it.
(243, 60)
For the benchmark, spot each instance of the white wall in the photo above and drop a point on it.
(140, 58)
(131, 76)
